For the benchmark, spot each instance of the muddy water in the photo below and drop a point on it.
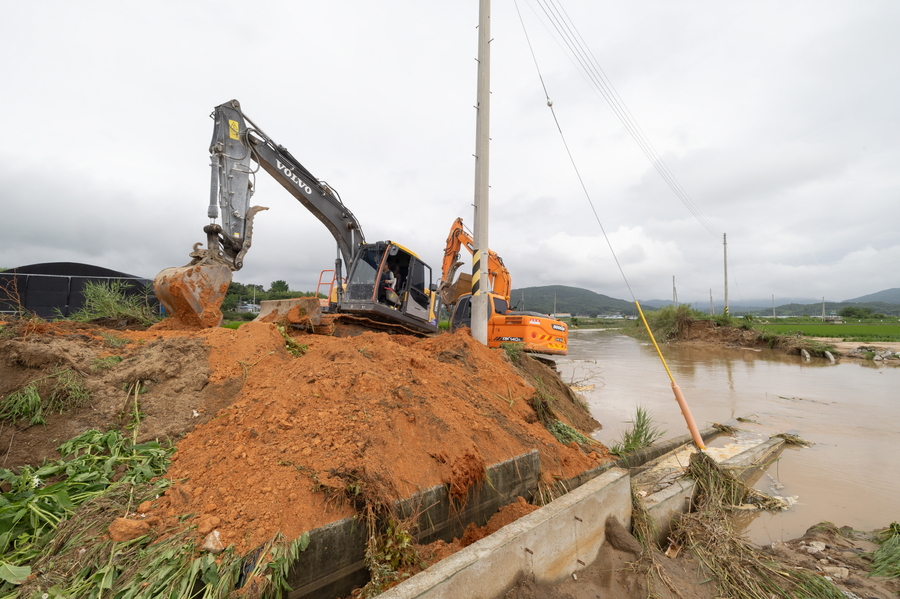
(849, 410)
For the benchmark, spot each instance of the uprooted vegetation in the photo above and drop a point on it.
(270, 442)
(706, 557)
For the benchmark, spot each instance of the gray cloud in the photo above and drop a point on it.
(779, 120)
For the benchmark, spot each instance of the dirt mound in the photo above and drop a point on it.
(710, 332)
(380, 414)
(178, 379)
(267, 441)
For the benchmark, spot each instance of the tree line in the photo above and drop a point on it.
(239, 294)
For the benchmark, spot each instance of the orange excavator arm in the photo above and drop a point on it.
(450, 287)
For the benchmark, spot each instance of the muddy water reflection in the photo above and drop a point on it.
(850, 410)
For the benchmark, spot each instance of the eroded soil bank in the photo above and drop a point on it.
(269, 441)
(709, 332)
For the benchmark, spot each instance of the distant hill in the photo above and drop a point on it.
(655, 303)
(584, 302)
(888, 296)
(734, 304)
(574, 300)
(830, 308)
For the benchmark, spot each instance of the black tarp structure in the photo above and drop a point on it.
(56, 289)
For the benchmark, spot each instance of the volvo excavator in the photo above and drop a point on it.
(193, 293)
(538, 333)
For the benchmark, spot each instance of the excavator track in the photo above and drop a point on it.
(349, 325)
(306, 314)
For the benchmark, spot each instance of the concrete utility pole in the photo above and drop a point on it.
(725, 246)
(773, 305)
(712, 306)
(674, 293)
(480, 304)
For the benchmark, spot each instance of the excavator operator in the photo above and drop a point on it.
(389, 285)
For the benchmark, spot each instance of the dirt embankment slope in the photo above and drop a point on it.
(266, 441)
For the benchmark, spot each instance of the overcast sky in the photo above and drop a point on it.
(779, 120)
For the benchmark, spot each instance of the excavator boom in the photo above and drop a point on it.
(194, 293)
(453, 286)
(536, 332)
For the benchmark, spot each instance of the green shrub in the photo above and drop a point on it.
(669, 322)
(109, 299)
(641, 434)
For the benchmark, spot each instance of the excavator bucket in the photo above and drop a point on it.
(192, 294)
(451, 293)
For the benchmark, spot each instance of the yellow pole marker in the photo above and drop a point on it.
(679, 396)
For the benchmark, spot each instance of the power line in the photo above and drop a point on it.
(581, 55)
(572, 159)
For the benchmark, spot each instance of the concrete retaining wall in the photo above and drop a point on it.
(334, 563)
(547, 545)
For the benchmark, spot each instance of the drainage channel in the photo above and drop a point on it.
(334, 563)
(564, 537)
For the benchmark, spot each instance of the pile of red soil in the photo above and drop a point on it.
(376, 414)
(273, 442)
(438, 550)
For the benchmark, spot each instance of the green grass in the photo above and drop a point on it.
(108, 299)
(513, 351)
(848, 332)
(886, 559)
(641, 434)
(53, 518)
(596, 323)
(104, 363)
(31, 510)
(114, 340)
(565, 433)
(58, 392)
(666, 323)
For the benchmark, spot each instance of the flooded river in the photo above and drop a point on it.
(849, 410)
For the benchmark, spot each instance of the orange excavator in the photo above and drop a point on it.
(537, 332)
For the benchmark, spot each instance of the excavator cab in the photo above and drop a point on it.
(462, 312)
(389, 280)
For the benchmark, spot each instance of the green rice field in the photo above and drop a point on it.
(847, 332)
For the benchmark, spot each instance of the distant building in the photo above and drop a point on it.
(559, 315)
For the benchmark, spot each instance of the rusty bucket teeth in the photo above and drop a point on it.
(193, 294)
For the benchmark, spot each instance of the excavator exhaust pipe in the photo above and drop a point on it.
(193, 294)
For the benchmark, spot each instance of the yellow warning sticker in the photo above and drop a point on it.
(234, 129)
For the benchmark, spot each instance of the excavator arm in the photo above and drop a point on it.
(232, 169)
(193, 293)
(538, 333)
(451, 287)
